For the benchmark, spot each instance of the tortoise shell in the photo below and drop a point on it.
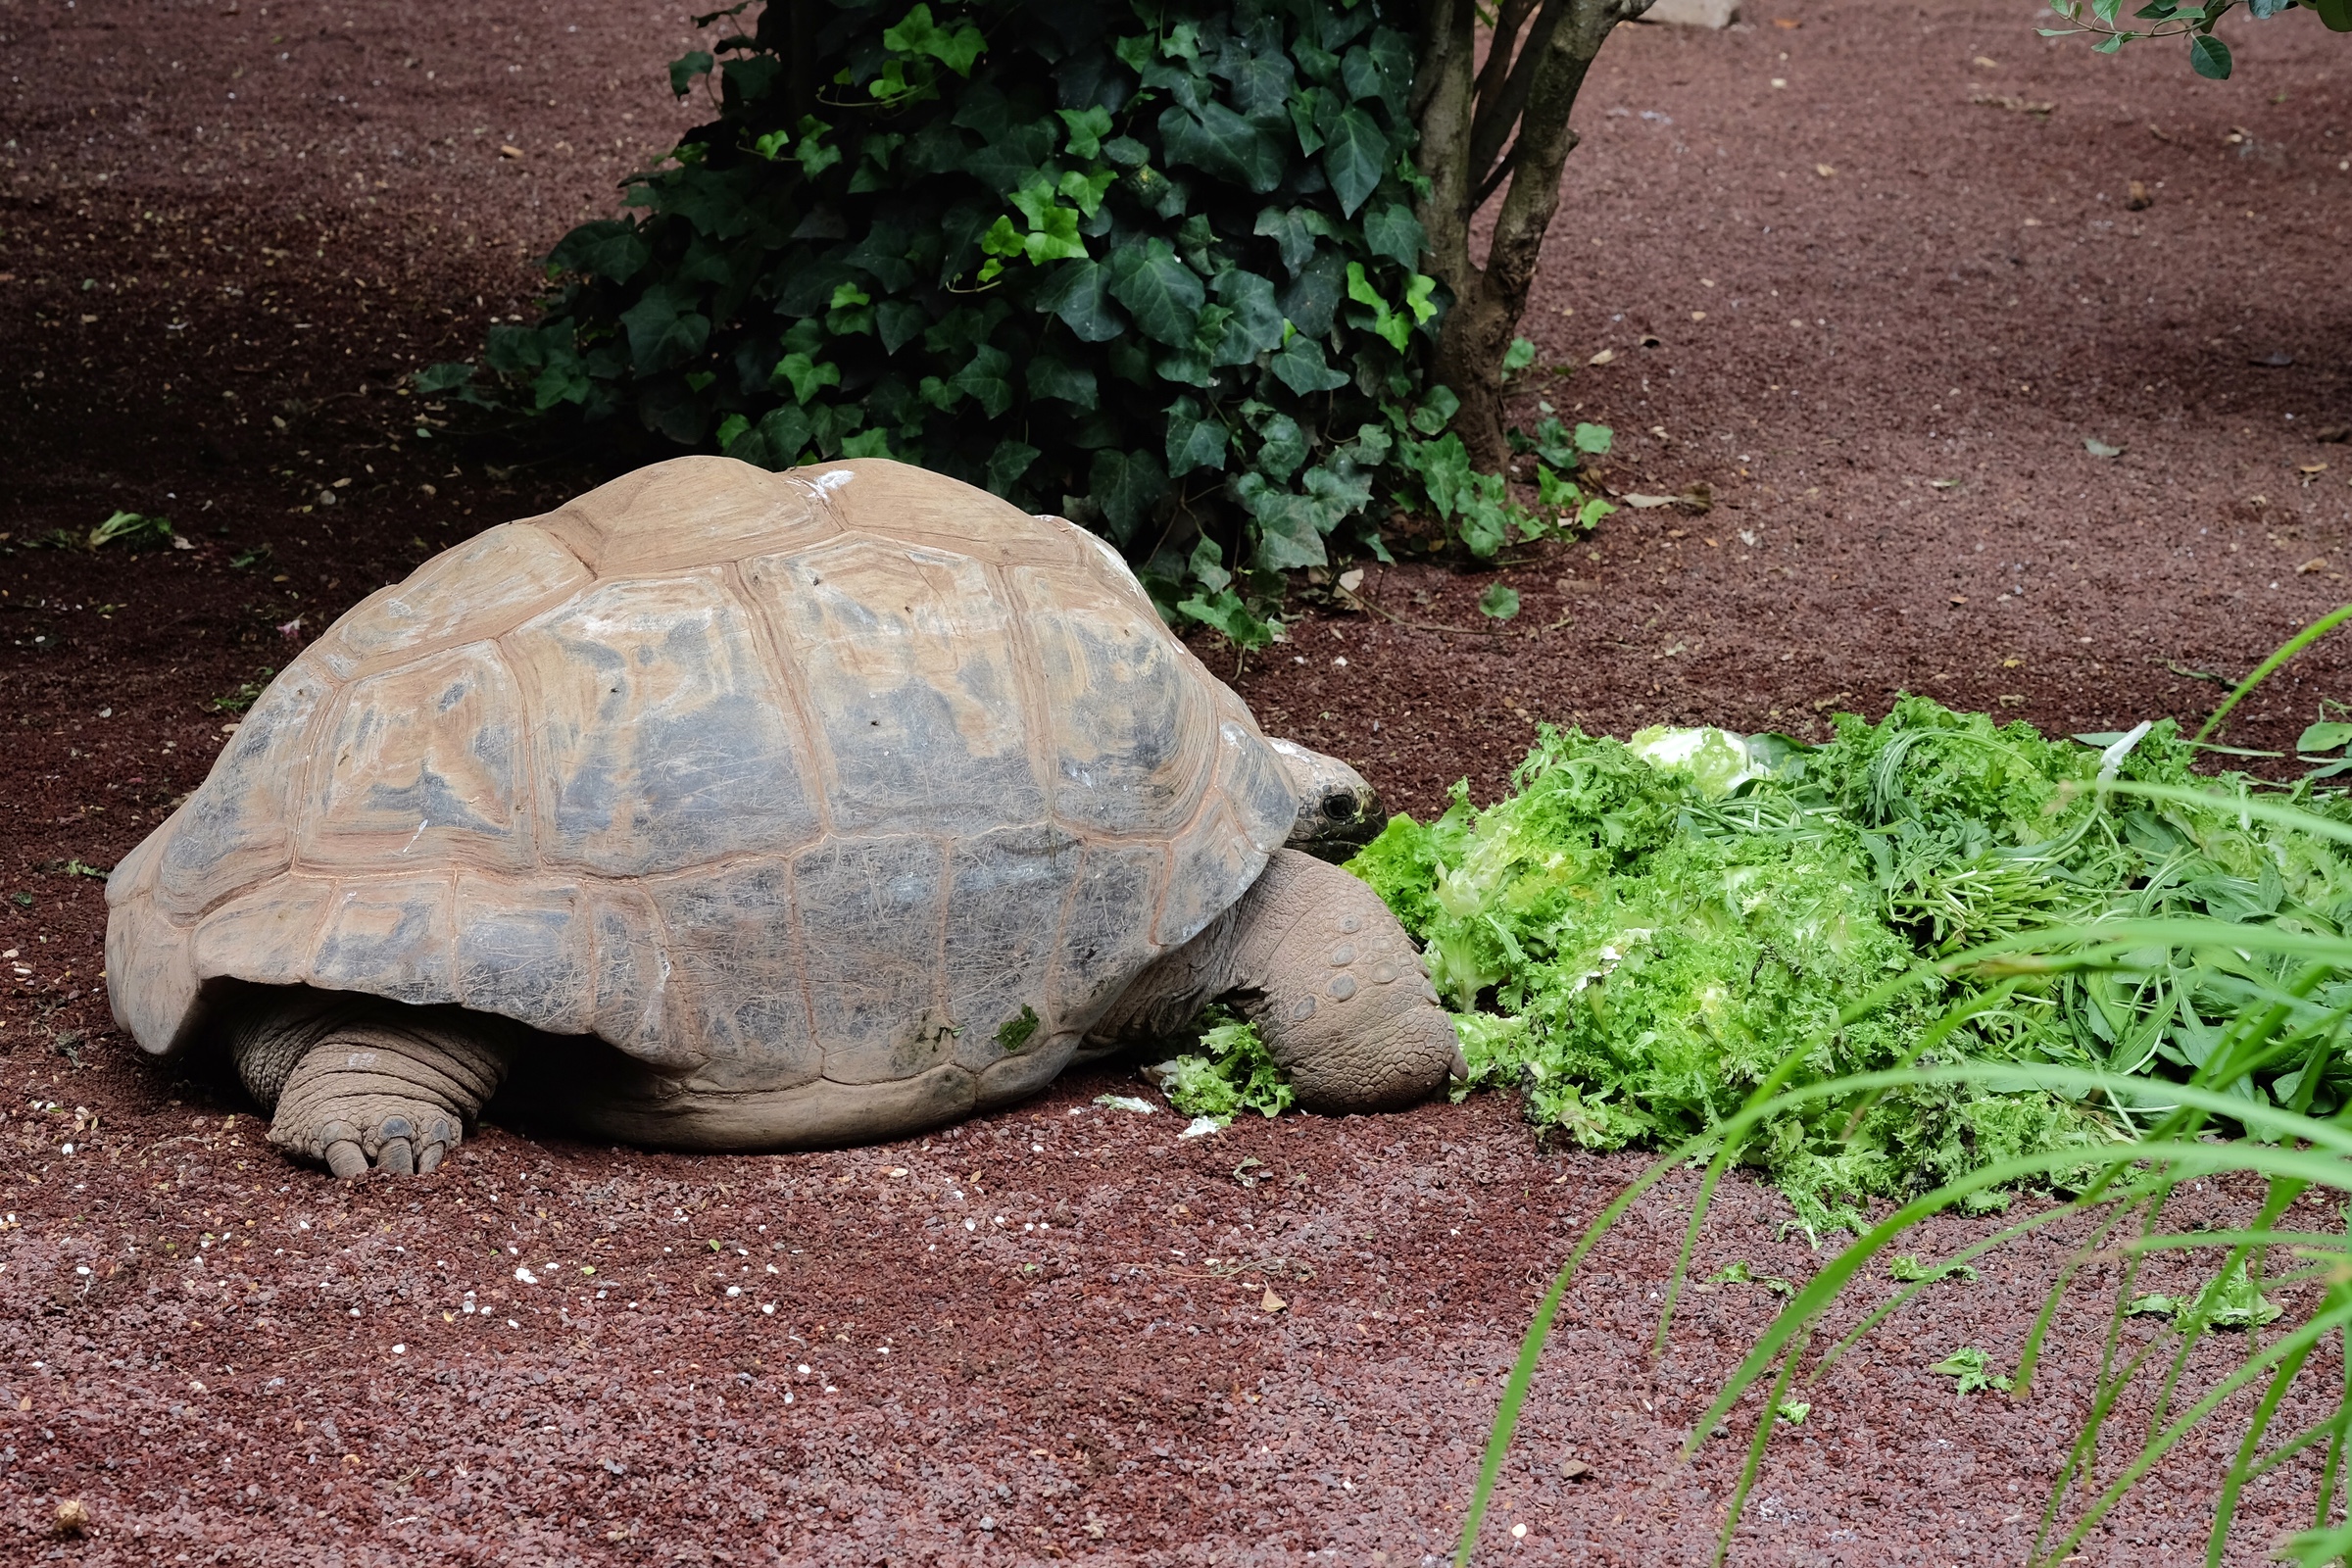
(853, 773)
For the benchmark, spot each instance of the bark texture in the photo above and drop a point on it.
(1501, 124)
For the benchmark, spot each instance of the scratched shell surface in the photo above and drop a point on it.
(850, 773)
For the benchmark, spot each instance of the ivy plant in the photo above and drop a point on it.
(2194, 19)
(1152, 265)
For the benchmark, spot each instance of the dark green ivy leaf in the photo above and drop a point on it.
(1309, 111)
(1262, 82)
(1163, 294)
(683, 70)
(987, 379)
(1353, 159)
(1215, 139)
(1127, 485)
(1006, 160)
(1185, 366)
(1194, 440)
(1074, 384)
(1287, 536)
(1395, 233)
(1283, 448)
(1079, 292)
(663, 330)
(1291, 233)
(900, 323)
(1256, 323)
(1007, 464)
(609, 248)
(1315, 293)
(1301, 367)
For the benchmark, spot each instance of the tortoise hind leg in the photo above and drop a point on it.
(359, 1082)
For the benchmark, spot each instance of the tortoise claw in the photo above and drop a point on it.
(346, 1158)
(397, 1157)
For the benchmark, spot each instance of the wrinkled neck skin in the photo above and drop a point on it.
(1311, 956)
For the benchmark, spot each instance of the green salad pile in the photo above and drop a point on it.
(1642, 931)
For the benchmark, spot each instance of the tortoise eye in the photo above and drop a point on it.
(1340, 806)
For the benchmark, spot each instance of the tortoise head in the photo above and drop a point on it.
(1339, 811)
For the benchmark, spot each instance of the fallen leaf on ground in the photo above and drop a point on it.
(2275, 360)
(2315, 564)
(1270, 1302)
(1825, 170)
(2137, 198)
(507, 150)
(2100, 449)
(2015, 105)
(1604, 357)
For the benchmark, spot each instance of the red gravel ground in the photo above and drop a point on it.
(226, 230)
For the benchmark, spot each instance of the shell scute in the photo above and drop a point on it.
(1130, 729)
(1106, 934)
(1004, 927)
(631, 977)
(389, 938)
(872, 911)
(469, 592)
(267, 936)
(909, 669)
(894, 501)
(232, 832)
(663, 742)
(423, 768)
(522, 952)
(734, 981)
(689, 512)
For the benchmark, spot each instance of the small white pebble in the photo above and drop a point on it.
(355, 1311)
(1518, 1531)
(510, 1323)
(734, 1289)
(803, 1369)
(399, 1349)
(769, 1308)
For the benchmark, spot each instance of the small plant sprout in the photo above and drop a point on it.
(1969, 1366)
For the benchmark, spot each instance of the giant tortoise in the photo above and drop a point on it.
(730, 810)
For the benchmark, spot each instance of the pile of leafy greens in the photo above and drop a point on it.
(1640, 933)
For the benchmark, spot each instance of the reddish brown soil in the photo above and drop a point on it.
(205, 301)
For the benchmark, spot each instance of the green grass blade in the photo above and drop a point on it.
(2263, 672)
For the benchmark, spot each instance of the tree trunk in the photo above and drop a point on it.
(1500, 126)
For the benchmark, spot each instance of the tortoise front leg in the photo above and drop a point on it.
(359, 1082)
